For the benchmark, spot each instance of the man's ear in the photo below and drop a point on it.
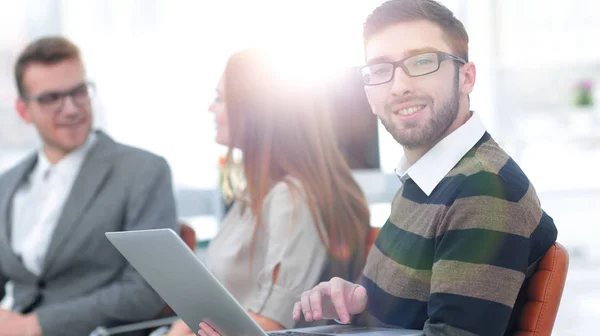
(23, 110)
(468, 75)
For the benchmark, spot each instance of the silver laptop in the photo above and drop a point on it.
(186, 285)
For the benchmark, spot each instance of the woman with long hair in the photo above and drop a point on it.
(299, 217)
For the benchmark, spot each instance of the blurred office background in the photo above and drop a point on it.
(156, 64)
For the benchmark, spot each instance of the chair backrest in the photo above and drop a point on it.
(544, 293)
(373, 232)
(188, 235)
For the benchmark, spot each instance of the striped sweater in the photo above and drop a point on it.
(454, 262)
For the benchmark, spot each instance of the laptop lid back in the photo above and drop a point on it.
(184, 283)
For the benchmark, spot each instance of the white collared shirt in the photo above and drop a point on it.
(430, 169)
(37, 205)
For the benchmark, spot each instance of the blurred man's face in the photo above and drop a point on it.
(417, 111)
(63, 121)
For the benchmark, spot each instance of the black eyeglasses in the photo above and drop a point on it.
(54, 101)
(414, 66)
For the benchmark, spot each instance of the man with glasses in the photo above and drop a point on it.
(56, 205)
(466, 228)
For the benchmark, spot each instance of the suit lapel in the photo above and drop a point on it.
(93, 174)
(15, 178)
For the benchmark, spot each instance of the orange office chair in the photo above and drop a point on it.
(188, 235)
(544, 293)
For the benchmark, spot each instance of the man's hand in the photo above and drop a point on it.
(179, 328)
(15, 324)
(206, 330)
(335, 299)
(266, 323)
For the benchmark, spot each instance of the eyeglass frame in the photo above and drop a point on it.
(442, 56)
(91, 89)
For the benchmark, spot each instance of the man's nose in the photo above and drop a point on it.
(402, 84)
(69, 106)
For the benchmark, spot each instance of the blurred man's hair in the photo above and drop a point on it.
(399, 11)
(48, 51)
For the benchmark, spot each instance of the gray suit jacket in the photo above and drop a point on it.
(85, 282)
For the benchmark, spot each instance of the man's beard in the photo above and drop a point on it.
(417, 136)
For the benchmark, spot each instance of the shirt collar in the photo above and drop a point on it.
(42, 167)
(67, 165)
(430, 169)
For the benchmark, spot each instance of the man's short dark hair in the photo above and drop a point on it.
(46, 50)
(398, 11)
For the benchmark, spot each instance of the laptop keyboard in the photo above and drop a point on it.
(338, 330)
(294, 333)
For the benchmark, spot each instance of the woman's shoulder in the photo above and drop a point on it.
(287, 190)
(287, 202)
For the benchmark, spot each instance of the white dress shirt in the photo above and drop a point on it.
(38, 203)
(430, 169)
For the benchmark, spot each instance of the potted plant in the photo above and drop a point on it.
(582, 119)
(231, 178)
(584, 96)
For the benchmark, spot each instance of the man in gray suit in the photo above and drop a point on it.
(57, 204)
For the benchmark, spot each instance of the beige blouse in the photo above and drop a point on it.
(287, 236)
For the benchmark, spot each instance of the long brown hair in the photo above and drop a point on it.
(284, 131)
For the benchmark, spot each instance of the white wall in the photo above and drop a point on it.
(156, 63)
(20, 21)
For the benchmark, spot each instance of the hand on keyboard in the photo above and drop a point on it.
(293, 333)
(335, 299)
